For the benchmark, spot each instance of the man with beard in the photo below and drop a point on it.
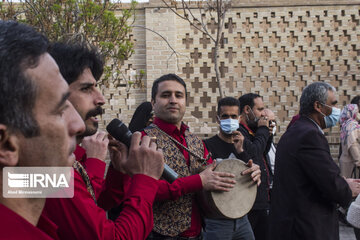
(254, 126)
(84, 216)
(82, 67)
(228, 142)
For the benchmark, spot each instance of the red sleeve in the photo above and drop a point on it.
(80, 218)
(114, 188)
(95, 169)
(110, 191)
(136, 219)
(179, 187)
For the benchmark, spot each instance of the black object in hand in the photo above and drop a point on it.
(120, 132)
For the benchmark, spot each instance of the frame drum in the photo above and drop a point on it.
(235, 203)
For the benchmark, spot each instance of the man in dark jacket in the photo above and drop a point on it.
(307, 182)
(254, 126)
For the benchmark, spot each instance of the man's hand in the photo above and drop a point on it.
(238, 140)
(271, 128)
(263, 121)
(118, 154)
(96, 145)
(144, 157)
(216, 181)
(354, 185)
(254, 170)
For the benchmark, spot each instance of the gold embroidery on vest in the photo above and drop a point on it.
(173, 217)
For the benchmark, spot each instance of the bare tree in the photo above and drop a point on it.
(198, 14)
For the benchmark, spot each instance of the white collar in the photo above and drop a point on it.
(316, 125)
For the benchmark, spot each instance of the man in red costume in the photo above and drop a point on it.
(84, 216)
(38, 124)
(176, 213)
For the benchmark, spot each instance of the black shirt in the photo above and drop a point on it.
(221, 149)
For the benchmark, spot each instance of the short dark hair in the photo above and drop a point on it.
(163, 78)
(356, 100)
(247, 100)
(228, 101)
(20, 49)
(74, 58)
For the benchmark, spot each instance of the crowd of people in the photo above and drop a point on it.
(50, 103)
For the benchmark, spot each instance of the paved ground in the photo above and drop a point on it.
(346, 233)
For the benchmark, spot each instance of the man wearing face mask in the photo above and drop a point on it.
(226, 144)
(307, 182)
(254, 126)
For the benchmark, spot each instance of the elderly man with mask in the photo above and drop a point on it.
(307, 182)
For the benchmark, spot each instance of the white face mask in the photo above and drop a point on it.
(333, 118)
(229, 125)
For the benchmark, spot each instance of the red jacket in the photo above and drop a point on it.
(15, 227)
(80, 218)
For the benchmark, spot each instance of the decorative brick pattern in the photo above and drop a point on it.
(272, 51)
(276, 52)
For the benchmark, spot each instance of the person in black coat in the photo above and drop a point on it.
(307, 183)
(254, 126)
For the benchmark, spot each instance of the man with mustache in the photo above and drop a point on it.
(84, 216)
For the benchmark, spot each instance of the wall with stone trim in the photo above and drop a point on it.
(273, 48)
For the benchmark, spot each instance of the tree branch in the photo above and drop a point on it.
(177, 54)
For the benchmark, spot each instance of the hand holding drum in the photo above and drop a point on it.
(233, 200)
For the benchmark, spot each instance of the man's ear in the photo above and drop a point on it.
(9, 147)
(217, 119)
(247, 109)
(317, 106)
(152, 103)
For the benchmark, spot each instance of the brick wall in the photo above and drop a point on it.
(273, 48)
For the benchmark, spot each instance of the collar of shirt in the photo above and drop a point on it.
(317, 125)
(170, 128)
(80, 153)
(174, 132)
(247, 128)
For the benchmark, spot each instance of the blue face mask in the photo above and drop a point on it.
(333, 118)
(229, 125)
